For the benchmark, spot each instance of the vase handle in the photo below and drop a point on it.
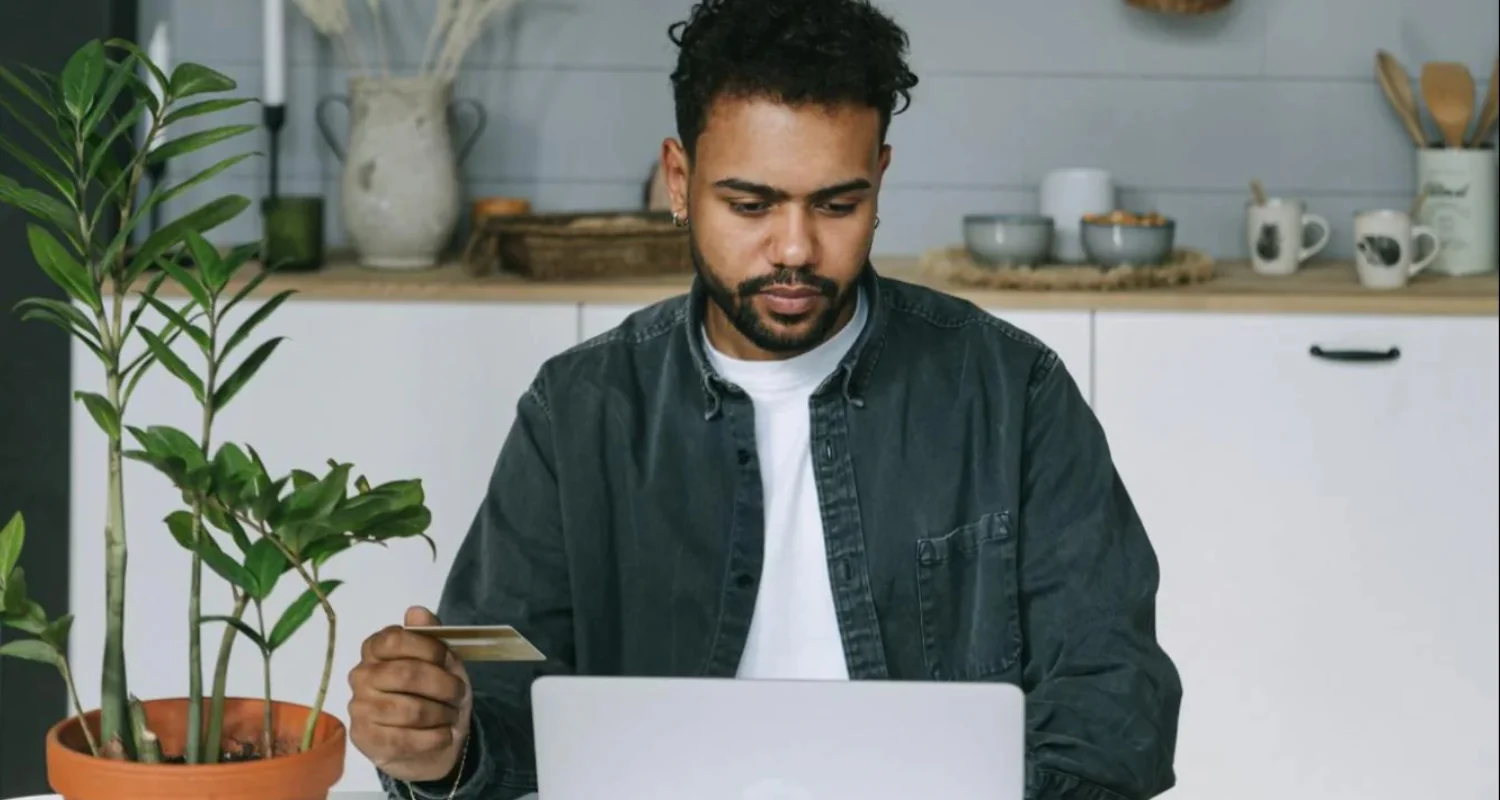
(323, 126)
(481, 120)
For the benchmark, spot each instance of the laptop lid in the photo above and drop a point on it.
(632, 738)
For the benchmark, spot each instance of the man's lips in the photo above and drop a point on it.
(791, 301)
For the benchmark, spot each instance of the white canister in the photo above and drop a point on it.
(1461, 206)
(1066, 195)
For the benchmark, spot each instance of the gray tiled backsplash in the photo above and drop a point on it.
(1184, 112)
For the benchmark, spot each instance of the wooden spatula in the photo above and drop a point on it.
(1448, 90)
(1397, 87)
(1489, 112)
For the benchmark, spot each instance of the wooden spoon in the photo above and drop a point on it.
(1397, 87)
(1448, 89)
(1490, 112)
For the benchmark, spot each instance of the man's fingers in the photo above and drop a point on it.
(395, 643)
(419, 678)
(385, 744)
(402, 711)
(419, 616)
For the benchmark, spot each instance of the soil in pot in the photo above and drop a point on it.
(242, 774)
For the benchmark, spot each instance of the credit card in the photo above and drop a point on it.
(482, 642)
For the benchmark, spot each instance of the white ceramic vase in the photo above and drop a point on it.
(400, 192)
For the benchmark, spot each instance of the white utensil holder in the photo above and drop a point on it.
(1461, 206)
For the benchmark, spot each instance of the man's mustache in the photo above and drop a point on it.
(789, 277)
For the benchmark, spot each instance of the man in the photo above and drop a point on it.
(800, 469)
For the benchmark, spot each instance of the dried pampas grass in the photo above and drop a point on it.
(456, 26)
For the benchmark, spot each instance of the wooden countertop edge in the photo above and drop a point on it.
(1328, 287)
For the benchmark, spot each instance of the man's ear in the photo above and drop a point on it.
(675, 168)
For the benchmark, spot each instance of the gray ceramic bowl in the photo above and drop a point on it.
(1008, 239)
(1113, 245)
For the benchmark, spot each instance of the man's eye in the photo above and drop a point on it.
(747, 208)
(840, 209)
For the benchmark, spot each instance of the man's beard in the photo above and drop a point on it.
(742, 314)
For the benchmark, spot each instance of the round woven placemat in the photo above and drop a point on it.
(954, 264)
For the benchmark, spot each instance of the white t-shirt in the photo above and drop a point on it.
(794, 632)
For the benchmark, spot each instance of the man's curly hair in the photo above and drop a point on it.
(823, 52)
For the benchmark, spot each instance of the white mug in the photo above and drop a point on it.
(1066, 195)
(1385, 242)
(1276, 232)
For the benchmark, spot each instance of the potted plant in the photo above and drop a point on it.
(250, 527)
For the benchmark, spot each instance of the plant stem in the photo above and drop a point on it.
(265, 656)
(312, 584)
(114, 697)
(212, 745)
(67, 676)
(195, 732)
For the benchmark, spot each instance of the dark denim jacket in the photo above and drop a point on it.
(976, 527)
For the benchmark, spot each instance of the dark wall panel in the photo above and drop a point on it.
(34, 392)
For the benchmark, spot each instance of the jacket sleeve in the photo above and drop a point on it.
(1102, 695)
(510, 570)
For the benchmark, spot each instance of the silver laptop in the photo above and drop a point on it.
(601, 738)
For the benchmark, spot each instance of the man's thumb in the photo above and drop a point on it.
(419, 616)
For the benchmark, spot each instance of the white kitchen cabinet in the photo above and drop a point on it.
(402, 390)
(1327, 537)
(1067, 332)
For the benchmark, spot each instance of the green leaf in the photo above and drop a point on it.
(297, 614)
(243, 373)
(32, 650)
(256, 317)
(267, 564)
(203, 219)
(12, 537)
(180, 523)
(62, 268)
(48, 315)
(234, 473)
(140, 304)
(194, 141)
(147, 95)
(81, 79)
(205, 175)
(72, 318)
(218, 518)
(57, 632)
(210, 265)
(399, 525)
(239, 625)
(207, 107)
(59, 182)
(301, 478)
(27, 91)
(245, 291)
(189, 79)
(16, 601)
(120, 75)
(186, 280)
(178, 321)
(325, 548)
(315, 501)
(38, 204)
(103, 412)
(102, 150)
(48, 139)
(175, 365)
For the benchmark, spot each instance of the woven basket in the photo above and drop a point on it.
(580, 246)
(1180, 6)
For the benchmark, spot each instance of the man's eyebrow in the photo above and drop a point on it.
(765, 192)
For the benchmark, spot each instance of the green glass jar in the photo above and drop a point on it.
(293, 228)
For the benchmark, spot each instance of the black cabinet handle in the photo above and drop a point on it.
(1356, 355)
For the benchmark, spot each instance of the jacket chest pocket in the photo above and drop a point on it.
(967, 599)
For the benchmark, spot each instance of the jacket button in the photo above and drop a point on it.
(744, 580)
(744, 457)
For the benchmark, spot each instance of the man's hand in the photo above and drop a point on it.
(411, 702)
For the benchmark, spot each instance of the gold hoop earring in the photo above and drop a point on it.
(877, 222)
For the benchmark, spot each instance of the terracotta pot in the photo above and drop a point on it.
(76, 774)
